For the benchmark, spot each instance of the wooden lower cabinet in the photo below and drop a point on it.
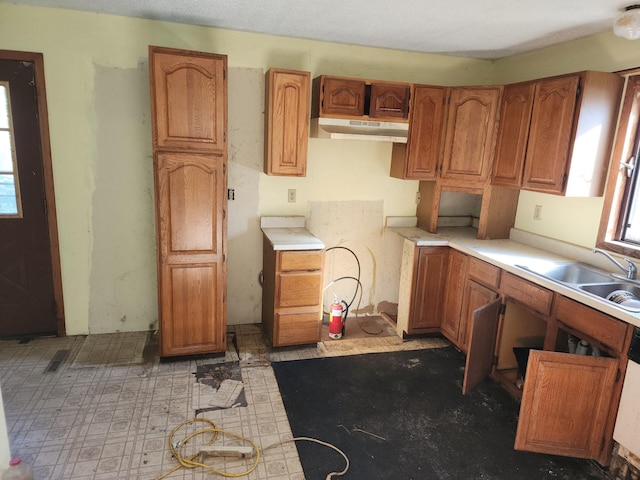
(569, 401)
(292, 295)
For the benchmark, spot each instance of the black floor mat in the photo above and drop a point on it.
(401, 415)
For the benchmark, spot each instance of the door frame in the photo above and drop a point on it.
(45, 147)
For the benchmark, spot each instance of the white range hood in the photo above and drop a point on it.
(371, 130)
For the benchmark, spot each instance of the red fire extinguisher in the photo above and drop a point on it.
(336, 323)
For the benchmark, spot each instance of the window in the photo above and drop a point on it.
(10, 205)
(620, 224)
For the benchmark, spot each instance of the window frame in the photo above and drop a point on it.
(610, 229)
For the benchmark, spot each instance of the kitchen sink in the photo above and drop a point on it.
(571, 273)
(626, 295)
(592, 281)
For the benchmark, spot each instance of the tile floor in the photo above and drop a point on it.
(103, 406)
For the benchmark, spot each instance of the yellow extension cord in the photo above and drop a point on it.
(192, 462)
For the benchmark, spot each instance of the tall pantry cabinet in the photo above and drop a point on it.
(189, 124)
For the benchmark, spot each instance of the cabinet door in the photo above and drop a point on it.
(482, 343)
(513, 133)
(425, 133)
(565, 404)
(287, 117)
(343, 96)
(188, 100)
(470, 133)
(192, 271)
(456, 275)
(389, 101)
(550, 134)
(429, 281)
(475, 296)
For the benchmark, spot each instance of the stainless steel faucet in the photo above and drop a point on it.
(631, 272)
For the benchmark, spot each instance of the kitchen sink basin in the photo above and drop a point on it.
(572, 273)
(617, 292)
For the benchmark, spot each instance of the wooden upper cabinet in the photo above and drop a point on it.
(353, 98)
(513, 133)
(418, 159)
(470, 133)
(572, 125)
(189, 100)
(389, 101)
(287, 122)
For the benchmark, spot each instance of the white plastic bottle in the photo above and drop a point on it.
(18, 471)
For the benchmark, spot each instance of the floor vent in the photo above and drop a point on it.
(59, 357)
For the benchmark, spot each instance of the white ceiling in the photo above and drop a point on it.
(486, 29)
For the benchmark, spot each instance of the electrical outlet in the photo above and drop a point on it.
(418, 198)
(292, 195)
(537, 213)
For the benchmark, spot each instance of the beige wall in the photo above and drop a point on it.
(98, 96)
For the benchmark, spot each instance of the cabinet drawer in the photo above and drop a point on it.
(297, 328)
(597, 325)
(484, 273)
(297, 289)
(526, 293)
(301, 260)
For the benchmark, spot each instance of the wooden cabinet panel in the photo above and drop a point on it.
(475, 296)
(482, 340)
(193, 319)
(418, 159)
(600, 327)
(454, 287)
(484, 273)
(287, 122)
(192, 278)
(529, 294)
(189, 122)
(299, 289)
(297, 328)
(565, 404)
(342, 96)
(513, 134)
(189, 100)
(550, 133)
(303, 260)
(429, 280)
(470, 133)
(389, 101)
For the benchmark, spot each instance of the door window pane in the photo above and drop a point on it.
(8, 197)
(9, 187)
(4, 108)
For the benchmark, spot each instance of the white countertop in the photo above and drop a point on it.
(506, 254)
(292, 238)
(289, 233)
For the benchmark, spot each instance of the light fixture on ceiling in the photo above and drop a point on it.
(627, 24)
